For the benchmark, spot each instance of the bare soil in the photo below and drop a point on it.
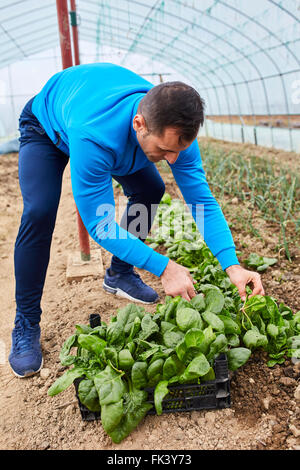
(265, 410)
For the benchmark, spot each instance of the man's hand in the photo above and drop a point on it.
(240, 277)
(177, 280)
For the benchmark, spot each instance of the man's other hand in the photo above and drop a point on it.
(177, 280)
(240, 277)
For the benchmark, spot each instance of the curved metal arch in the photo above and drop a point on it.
(257, 23)
(175, 57)
(284, 9)
(247, 57)
(217, 36)
(35, 50)
(143, 51)
(172, 15)
(27, 12)
(231, 46)
(278, 70)
(196, 77)
(262, 50)
(210, 70)
(33, 32)
(21, 15)
(213, 71)
(269, 31)
(203, 63)
(142, 25)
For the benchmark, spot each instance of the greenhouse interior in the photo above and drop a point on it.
(150, 228)
(243, 57)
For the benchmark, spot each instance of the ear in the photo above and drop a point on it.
(139, 124)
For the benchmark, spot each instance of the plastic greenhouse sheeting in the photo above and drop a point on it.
(241, 55)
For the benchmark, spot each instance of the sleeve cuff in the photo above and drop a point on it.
(227, 258)
(156, 263)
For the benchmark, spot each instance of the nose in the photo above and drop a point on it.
(171, 157)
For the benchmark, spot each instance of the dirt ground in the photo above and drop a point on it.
(264, 413)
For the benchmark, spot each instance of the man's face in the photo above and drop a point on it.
(159, 147)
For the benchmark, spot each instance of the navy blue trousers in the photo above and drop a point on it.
(41, 167)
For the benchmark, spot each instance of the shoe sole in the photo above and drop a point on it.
(120, 293)
(29, 374)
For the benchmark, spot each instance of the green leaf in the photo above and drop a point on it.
(111, 416)
(269, 261)
(170, 311)
(126, 360)
(172, 366)
(209, 376)
(155, 368)
(109, 385)
(135, 328)
(254, 339)
(272, 363)
(127, 314)
(213, 320)
(198, 367)
(214, 300)
(237, 357)
(65, 358)
(172, 338)
(187, 318)
(166, 199)
(181, 350)
(167, 326)
(217, 346)
(83, 329)
(209, 337)
(148, 327)
(295, 353)
(115, 334)
(92, 343)
(139, 374)
(233, 340)
(148, 353)
(194, 338)
(272, 330)
(64, 381)
(88, 395)
(293, 342)
(100, 331)
(135, 408)
(198, 302)
(230, 326)
(110, 354)
(255, 303)
(160, 392)
(262, 267)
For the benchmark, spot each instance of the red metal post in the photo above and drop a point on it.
(73, 16)
(64, 33)
(66, 55)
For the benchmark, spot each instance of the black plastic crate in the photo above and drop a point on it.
(213, 394)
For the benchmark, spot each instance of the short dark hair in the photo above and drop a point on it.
(173, 104)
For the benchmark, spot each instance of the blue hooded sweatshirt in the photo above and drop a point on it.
(87, 111)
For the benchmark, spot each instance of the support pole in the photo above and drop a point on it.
(73, 17)
(66, 55)
(64, 33)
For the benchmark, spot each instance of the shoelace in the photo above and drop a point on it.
(25, 335)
